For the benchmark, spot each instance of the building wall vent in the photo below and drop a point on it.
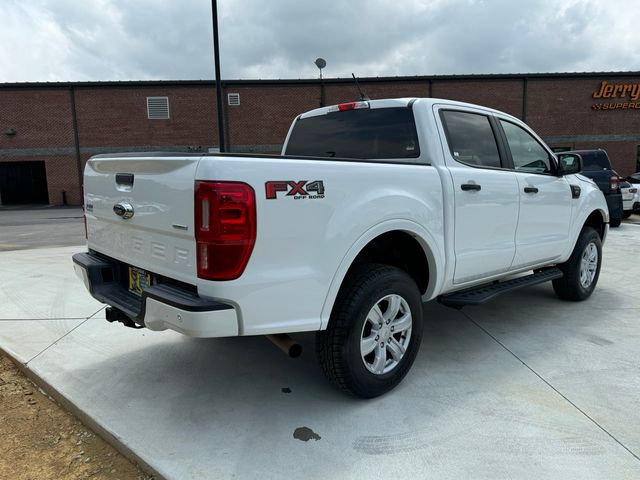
(233, 99)
(157, 108)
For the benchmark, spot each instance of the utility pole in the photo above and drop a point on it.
(216, 57)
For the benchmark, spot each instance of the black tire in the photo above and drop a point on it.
(627, 213)
(339, 346)
(570, 286)
(615, 222)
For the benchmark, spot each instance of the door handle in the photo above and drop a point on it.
(530, 190)
(470, 186)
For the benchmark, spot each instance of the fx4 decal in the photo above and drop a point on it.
(298, 190)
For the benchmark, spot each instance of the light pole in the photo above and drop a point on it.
(321, 63)
(216, 58)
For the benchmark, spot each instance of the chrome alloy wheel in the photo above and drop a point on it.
(386, 334)
(588, 265)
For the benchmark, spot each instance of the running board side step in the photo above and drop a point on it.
(486, 292)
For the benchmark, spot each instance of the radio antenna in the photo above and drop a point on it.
(363, 96)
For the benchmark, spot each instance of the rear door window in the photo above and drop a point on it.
(471, 138)
(365, 133)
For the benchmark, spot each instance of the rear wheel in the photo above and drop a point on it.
(582, 270)
(374, 332)
(627, 213)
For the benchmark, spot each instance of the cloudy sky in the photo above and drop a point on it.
(63, 40)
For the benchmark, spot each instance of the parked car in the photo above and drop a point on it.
(629, 196)
(634, 180)
(596, 166)
(373, 208)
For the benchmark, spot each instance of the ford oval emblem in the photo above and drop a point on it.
(123, 210)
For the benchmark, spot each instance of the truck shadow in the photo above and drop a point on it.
(218, 400)
(208, 373)
(228, 370)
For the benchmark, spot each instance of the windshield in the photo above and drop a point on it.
(379, 133)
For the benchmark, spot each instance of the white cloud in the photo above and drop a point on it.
(49, 40)
(32, 44)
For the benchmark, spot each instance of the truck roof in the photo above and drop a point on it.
(428, 102)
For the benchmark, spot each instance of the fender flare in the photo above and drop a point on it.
(605, 216)
(580, 225)
(431, 246)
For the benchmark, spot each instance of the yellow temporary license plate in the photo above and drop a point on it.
(138, 280)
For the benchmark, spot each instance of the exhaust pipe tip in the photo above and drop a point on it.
(287, 344)
(295, 350)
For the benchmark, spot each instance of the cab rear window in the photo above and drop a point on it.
(379, 133)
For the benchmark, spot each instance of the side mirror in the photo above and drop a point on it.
(569, 163)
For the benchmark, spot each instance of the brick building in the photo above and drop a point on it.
(48, 130)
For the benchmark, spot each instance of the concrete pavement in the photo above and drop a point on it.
(527, 386)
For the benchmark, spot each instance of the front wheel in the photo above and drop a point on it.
(615, 222)
(582, 270)
(374, 332)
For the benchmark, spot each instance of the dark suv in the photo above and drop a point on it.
(596, 166)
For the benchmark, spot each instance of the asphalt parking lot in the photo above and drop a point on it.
(527, 386)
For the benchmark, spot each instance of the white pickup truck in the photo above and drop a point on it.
(373, 208)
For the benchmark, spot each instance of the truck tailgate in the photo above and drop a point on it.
(159, 191)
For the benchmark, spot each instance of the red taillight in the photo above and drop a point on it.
(614, 183)
(225, 222)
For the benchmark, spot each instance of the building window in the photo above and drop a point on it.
(233, 99)
(157, 108)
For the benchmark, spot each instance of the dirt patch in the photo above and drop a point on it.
(39, 440)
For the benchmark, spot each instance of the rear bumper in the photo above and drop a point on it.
(160, 307)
